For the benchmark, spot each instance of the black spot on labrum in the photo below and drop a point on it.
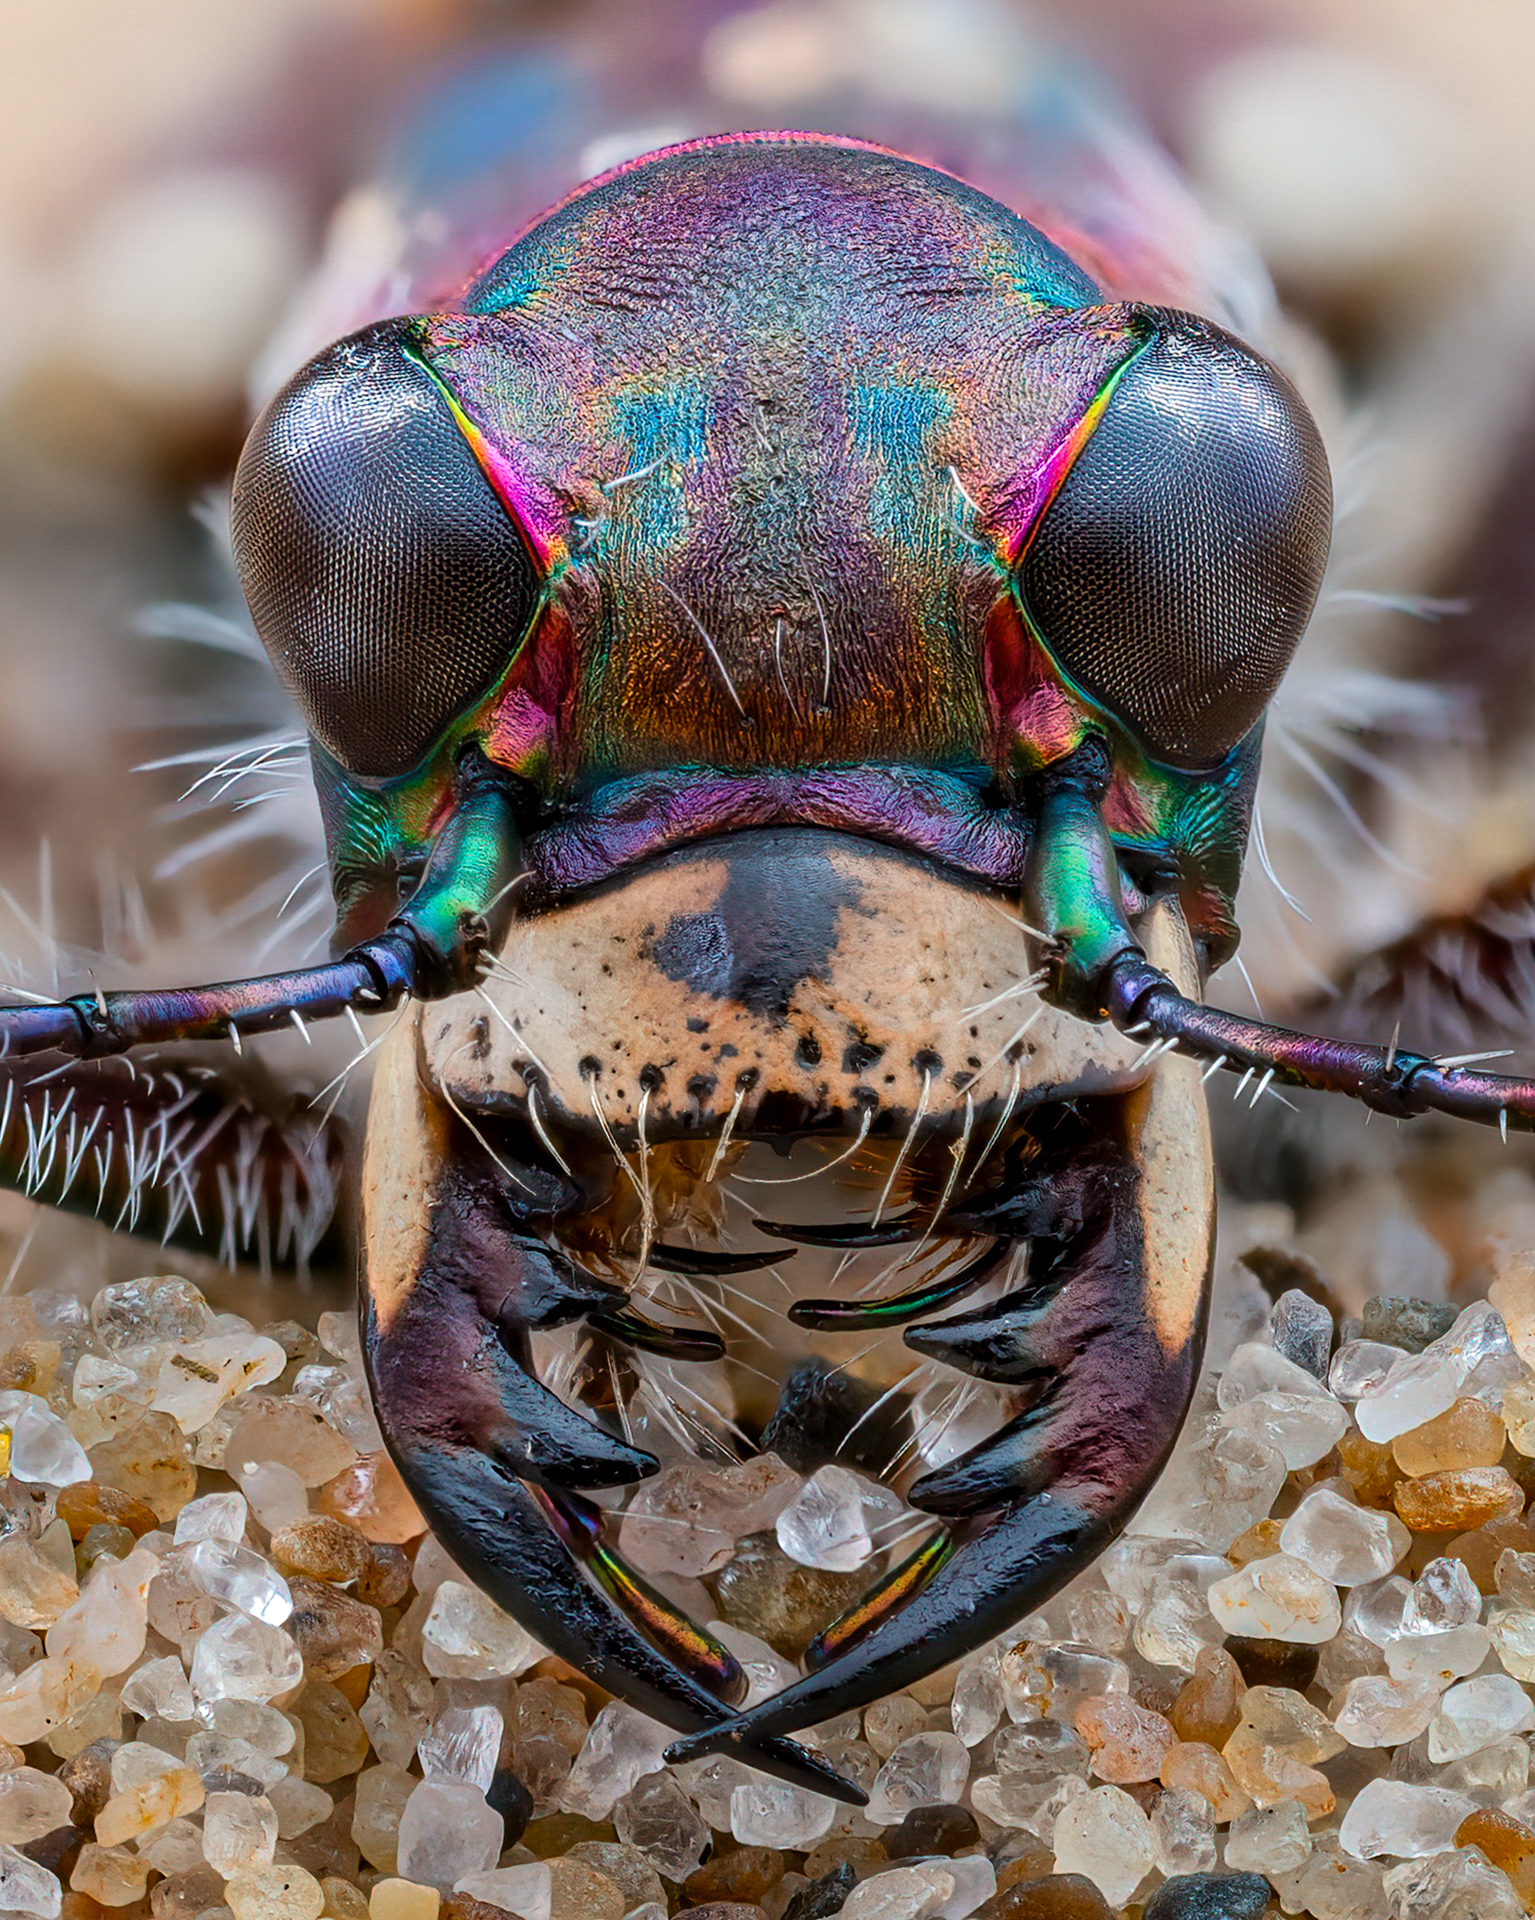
(761, 941)
(695, 949)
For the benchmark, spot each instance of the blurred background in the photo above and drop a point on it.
(171, 173)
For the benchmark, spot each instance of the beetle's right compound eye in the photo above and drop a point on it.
(387, 581)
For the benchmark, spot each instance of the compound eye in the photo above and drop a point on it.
(387, 581)
(1173, 574)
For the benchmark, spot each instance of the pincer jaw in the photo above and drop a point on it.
(457, 1283)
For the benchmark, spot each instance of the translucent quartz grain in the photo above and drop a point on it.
(45, 1693)
(371, 1496)
(32, 1803)
(150, 1461)
(398, 1709)
(447, 1830)
(1301, 1428)
(1360, 1367)
(976, 1706)
(928, 1770)
(1193, 1767)
(524, 1890)
(34, 1590)
(1106, 1837)
(1278, 1743)
(26, 1887)
(901, 1893)
(1041, 1677)
(239, 1832)
(299, 1805)
(1444, 1657)
(1401, 1819)
(275, 1492)
(1457, 1884)
(827, 1523)
(1512, 1633)
(1330, 1884)
(1183, 1833)
(1457, 1499)
(290, 1433)
(622, 1746)
(1215, 1486)
(335, 1740)
(1518, 1410)
(890, 1721)
(275, 1893)
(1419, 1387)
(42, 1448)
(138, 1809)
(196, 1379)
(1443, 1596)
(686, 1521)
(1476, 1713)
(657, 1818)
(396, 1899)
(159, 1690)
(1128, 1742)
(239, 1578)
(1099, 1619)
(1255, 1369)
(463, 1744)
(1280, 1598)
(1269, 1840)
(375, 1825)
(1346, 1544)
(104, 1628)
(238, 1658)
(218, 1517)
(112, 1876)
(1176, 1626)
(1208, 1705)
(466, 1636)
(768, 1813)
(1377, 1711)
(1468, 1434)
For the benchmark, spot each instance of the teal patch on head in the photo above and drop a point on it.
(893, 428)
(666, 432)
(509, 284)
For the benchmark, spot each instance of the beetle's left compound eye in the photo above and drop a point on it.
(1174, 571)
(387, 580)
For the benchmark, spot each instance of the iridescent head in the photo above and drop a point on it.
(770, 457)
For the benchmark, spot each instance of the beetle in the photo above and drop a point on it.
(801, 676)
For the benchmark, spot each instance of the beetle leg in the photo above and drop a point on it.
(1107, 1338)
(458, 1282)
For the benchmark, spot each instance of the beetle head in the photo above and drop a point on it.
(771, 454)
